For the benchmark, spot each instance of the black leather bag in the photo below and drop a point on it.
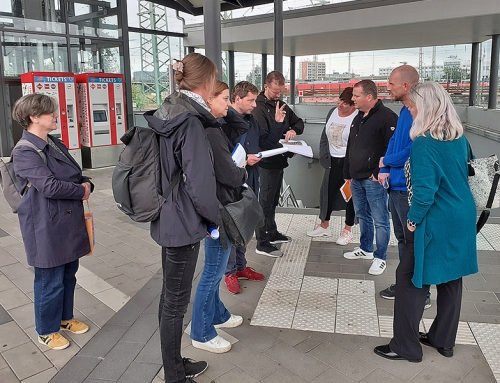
(241, 218)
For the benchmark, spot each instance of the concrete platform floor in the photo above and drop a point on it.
(316, 317)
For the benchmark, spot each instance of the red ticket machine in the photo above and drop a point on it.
(61, 86)
(101, 101)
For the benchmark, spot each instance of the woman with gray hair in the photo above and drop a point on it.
(51, 217)
(440, 236)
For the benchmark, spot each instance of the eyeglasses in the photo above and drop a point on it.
(414, 89)
(274, 91)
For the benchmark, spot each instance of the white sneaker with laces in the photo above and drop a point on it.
(345, 238)
(320, 232)
(357, 253)
(233, 321)
(377, 267)
(217, 345)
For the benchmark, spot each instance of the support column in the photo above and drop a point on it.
(212, 29)
(292, 80)
(189, 50)
(474, 69)
(264, 69)
(495, 52)
(230, 75)
(278, 35)
(127, 72)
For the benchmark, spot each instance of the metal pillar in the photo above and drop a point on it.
(127, 71)
(212, 29)
(474, 69)
(495, 51)
(264, 69)
(278, 35)
(230, 73)
(292, 80)
(189, 50)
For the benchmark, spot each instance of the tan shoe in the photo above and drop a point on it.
(76, 327)
(55, 341)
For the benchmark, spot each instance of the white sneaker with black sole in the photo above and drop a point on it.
(378, 266)
(357, 253)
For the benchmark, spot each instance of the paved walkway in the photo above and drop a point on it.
(316, 318)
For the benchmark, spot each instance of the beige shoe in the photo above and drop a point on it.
(55, 341)
(74, 326)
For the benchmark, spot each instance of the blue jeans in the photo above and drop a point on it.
(370, 206)
(208, 309)
(398, 203)
(237, 260)
(54, 295)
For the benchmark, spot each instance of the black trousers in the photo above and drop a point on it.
(409, 308)
(269, 194)
(178, 265)
(335, 199)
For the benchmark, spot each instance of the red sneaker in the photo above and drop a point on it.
(232, 284)
(250, 274)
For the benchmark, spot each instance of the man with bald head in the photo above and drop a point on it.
(401, 81)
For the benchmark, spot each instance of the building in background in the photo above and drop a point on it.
(312, 70)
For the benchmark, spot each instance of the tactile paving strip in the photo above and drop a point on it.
(492, 234)
(356, 304)
(314, 320)
(356, 287)
(464, 333)
(320, 285)
(357, 325)
(482, 243)
(488, 340)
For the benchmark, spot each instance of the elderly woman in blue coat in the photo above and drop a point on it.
(51, 217)
(441, 234)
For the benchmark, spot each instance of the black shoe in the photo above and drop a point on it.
(445, 351)
(279, 238)
(192, 368)
(190, 380)
(385, 352)
(389, 293)
(269, 250)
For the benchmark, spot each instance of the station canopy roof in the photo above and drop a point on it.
(352, 26)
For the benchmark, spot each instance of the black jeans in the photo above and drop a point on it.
(269, 194)
(178, 265)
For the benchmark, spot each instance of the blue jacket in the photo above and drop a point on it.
(51, 212)
(443, 209)
(398, 151)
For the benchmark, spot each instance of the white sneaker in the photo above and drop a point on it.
(345, 238)
(377, 267)
(217, 345)
(357, 253)
(320, 232)
(233, 321)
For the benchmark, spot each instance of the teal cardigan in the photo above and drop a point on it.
(443, 209)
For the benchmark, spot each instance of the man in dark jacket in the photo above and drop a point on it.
(271, 169)
(370, 133)
(253, 139)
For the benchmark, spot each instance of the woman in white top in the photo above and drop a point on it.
(332, 151)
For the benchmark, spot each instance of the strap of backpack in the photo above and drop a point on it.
(174, 182)
(24, 142)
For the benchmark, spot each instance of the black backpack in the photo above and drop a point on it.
(136, 180)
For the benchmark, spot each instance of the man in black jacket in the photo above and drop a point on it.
(369, 137)
(271, 169)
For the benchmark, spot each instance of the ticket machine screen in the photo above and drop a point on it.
(100, 116)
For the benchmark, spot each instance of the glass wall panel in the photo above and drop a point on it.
(91, 55)
(94, 20)
(248, 67)
(28, 52)
(31, 15)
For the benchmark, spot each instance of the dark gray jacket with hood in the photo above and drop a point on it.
(180, 122)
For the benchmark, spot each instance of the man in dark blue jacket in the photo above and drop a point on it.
(253, 140)
(272, 168)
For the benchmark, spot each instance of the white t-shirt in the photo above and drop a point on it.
(337, 131)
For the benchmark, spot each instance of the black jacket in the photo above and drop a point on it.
(180, 123)
(229, 177)
(368, 141)
(264, 113)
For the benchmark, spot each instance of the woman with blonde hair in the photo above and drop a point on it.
(186, 162)
(440, 236)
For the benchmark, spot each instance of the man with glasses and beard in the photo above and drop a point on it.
(271, 169)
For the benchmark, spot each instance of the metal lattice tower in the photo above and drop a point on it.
(155, 52)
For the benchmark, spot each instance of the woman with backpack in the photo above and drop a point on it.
(180, 123)
(51, 217)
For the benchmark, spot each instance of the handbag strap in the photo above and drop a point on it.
(493, 190)
(485, 214)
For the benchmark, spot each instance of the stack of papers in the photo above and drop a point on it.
(297, 147)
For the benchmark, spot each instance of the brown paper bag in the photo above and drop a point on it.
(89, 224)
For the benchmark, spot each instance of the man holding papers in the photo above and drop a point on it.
(253, 140)
(271, 172)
